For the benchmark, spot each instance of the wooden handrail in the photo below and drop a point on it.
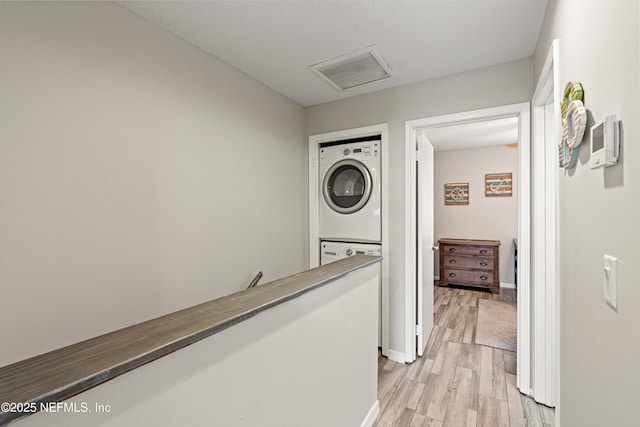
(63, 373)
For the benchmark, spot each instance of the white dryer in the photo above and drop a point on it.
(349, 208)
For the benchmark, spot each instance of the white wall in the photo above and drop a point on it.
(598, 214)
(311, 361)
(490, 218)
(504, 84)
(138, 175)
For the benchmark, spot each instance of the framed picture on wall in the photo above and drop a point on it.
(498, 185)
(456, 193)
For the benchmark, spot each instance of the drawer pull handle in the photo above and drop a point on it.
(483, 277)
(483, 263)
(452, 261)
(483, 251)
(452, 274)
(452, 249)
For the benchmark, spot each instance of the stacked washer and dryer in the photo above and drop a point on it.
(349, 209)
(349, 217)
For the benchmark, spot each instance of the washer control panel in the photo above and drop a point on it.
(333, 251)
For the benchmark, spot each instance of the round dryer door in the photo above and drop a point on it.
(347, 186)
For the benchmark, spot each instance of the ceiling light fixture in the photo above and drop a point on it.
(354, 69)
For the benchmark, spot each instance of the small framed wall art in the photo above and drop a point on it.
(498, 185)
(456, 193)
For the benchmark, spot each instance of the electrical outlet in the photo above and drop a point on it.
(611, 281)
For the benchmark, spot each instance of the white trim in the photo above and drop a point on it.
(384, 130)
(507, 285)
(546, 132)
(314, 193)
(410, 135)
(522, 111)
(372, 415)
(396, 356)
(523, 358)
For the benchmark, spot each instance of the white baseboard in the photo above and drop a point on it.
(436, 277)
(396, 356)
(371, 416)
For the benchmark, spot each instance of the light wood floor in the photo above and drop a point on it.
(457, 382)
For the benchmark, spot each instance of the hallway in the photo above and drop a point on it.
(457, 382)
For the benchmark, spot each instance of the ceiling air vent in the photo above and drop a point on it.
(354, 69)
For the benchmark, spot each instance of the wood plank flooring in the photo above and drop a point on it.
(457, 382)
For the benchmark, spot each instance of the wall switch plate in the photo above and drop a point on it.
(611, 281)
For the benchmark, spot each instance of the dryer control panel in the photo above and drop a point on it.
(364, 150)
(357, 150)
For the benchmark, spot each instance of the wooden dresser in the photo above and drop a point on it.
(470, 263)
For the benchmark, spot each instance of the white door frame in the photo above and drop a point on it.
(545, 298)
(314, 193)
(412, 127)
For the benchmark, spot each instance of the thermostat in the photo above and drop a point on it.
(605, 143)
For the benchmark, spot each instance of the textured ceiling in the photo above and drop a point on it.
(275, 42)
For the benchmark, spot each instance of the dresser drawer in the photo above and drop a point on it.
(478, 278)
(467, 250)
(462, 261)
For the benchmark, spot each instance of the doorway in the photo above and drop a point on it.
(413, 264)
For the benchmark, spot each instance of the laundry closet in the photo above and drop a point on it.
(346, 206)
